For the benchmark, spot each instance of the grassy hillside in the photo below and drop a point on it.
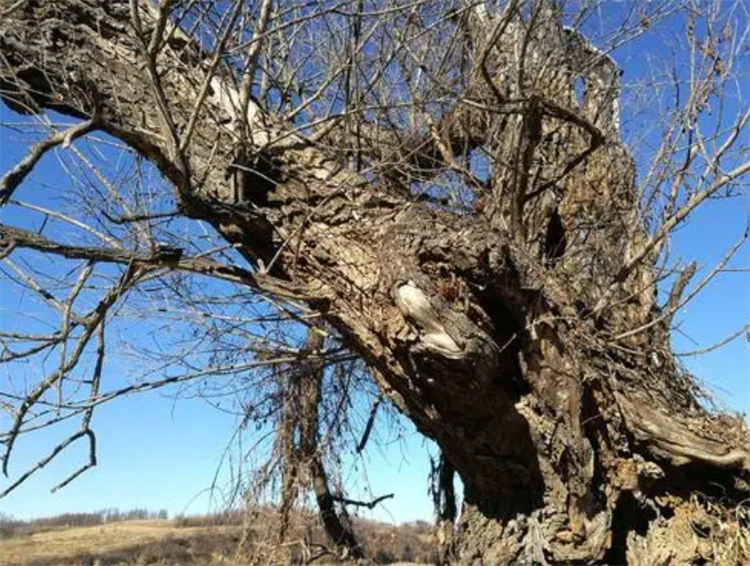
(129, 542)
(188, 542)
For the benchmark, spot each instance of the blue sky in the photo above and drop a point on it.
(162, 449)
(159, 453)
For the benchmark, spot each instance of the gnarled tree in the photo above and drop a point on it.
(444, 184)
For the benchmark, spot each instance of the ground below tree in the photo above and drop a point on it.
(199, 541)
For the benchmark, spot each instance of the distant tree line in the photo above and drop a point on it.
(10, 526)
(387, 544)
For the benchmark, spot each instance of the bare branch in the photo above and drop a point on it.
(11, 180)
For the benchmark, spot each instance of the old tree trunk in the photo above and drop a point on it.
(521, 333)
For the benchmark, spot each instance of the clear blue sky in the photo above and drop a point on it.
(161, 454)
(156, 451)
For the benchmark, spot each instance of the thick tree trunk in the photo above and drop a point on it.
(573, 447)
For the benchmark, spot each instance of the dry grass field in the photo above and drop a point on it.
(172, 543)
(127, 542)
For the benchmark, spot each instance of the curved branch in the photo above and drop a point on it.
(13, 178)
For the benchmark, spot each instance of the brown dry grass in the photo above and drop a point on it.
(198, 541)
(145, 542)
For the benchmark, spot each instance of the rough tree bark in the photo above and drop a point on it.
(573, 446)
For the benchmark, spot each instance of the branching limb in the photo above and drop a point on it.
(19, 238)
(86, 424)
(11, 180)
(666, 228)
(92, 322)
(370, 423)
(369, 504)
